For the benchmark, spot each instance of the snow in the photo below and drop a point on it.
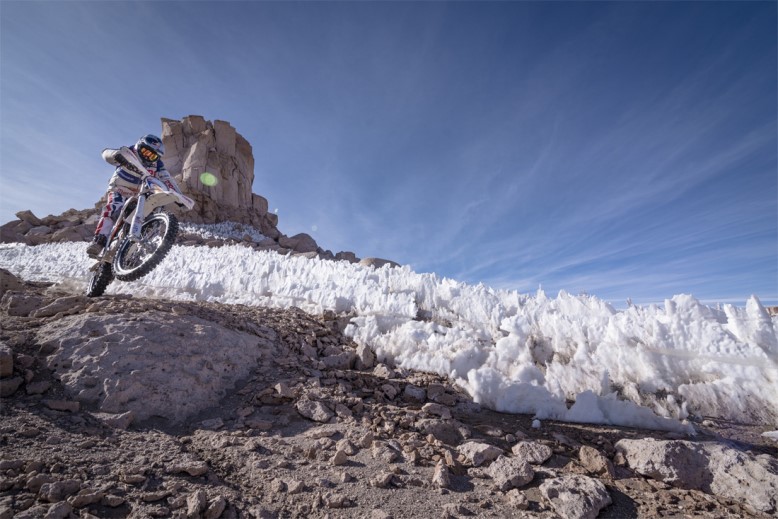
(570, 358)
(225, 230)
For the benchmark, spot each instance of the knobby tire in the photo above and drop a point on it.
(122, 267)
(100, 280)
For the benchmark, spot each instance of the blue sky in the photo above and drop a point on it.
(624, 149)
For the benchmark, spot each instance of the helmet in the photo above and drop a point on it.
(150, 149)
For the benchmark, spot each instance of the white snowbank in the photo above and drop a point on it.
(642, 367)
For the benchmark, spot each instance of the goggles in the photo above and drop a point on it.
(148, 154)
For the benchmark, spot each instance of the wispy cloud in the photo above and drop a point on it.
(586, 151)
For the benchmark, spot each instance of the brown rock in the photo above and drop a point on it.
(20, 305)
(532, 452)
(191, 467)
(37, 388)
(62, 405)
(340, 458)
(6, 361)
(215, 508)
(299, 243)
(510, 473)
(314, 410)
(575, 496)
(29, 217)
(59, 510)
(117, 421)
(85, 498)
(441, 477)
(8, 386)
(478, 453)
(9, 282)
(196, 503)
(595, 462)
(59, 490)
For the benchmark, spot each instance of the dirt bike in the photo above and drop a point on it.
(143, 233)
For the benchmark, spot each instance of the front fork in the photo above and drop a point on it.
(115, 236)
(137, 220)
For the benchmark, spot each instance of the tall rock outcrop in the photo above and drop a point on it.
(195, 147)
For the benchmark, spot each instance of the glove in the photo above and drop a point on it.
(119, 158)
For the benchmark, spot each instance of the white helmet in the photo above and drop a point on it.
(150, 149)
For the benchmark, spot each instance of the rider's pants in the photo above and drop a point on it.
(114, 203)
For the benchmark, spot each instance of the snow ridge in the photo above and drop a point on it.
(650, 367)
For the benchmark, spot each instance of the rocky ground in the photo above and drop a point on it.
(125, 407)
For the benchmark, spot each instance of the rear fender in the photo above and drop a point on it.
(162, 195)
(164, 198)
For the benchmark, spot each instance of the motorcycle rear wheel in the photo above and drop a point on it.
(135, 259)
(100, 280)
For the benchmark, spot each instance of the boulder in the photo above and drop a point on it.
(343, 360)
(575, 496)
(6, 361)
(478, 453)
(532, 452)
(194, 147)
(346, 256)
(365, 357)
(509, 473)
(72, 225)
(595, 462)
(299, 243)
(117, 421)
(29, 217)
(132, 371)
(61, 510)
(59, 490)
(713, 468)
(314, 410)
(20, 304)
(9, 386)
(441, 477)
(414, 394)
(447, 431)
(78, 233)
(437, 410)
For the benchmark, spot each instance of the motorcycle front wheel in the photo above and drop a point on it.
(135, 259)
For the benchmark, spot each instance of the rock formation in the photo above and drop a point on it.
(72, 225)
(195, 147)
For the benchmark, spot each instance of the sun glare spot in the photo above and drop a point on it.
(208, 179)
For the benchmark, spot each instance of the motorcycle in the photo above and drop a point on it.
(143, 233)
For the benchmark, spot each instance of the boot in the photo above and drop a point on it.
(98, 242)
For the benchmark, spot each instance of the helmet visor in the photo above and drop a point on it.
(148, 154)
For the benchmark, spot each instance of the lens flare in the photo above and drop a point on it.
(208, 179)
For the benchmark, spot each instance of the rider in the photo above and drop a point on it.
(125, 183)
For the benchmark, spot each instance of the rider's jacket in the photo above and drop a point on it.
(127, 182)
